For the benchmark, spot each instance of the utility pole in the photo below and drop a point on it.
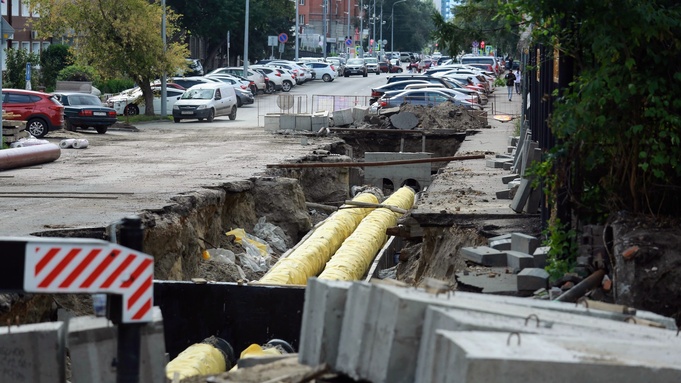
(392, 25)
(348, 21)
(297, 28)
(164, 90)
(324, 8)
(373, 34)
(248, 8)
(381, 24)
(361, 24)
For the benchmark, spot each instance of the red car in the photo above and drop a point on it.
(41, 111)
(383, 67)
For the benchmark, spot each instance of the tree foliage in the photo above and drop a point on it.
(115, 37)
(210, 20)
(16, 60)
(477, 20)
(52, 60)
(619, 123)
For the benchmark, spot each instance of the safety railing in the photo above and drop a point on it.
(286, 103)
(331, 103)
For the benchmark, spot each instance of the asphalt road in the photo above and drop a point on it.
(124, 172)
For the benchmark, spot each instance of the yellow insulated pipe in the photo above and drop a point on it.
(354, 257)
(309, 258)
(210, 357)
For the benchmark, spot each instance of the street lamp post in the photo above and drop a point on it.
(361, 24)
(392, 25)
(297, 28)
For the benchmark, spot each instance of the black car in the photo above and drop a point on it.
(243, 97)
(82, 110)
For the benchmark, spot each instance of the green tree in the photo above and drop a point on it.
(618, 124)
(211, 19)
(115, 37)
(77, 73)
(53, 59)
(16, 60)
(477, 20)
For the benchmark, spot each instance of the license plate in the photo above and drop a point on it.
(99, 113)
(187, 112)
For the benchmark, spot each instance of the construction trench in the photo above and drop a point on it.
(218, 299)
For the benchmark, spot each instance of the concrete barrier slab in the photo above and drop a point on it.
(32, 353)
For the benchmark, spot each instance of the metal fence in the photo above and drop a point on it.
(289, 103)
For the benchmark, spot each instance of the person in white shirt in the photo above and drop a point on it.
(517, 81)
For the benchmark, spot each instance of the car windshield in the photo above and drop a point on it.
(198, 94)
(371, 60)
(356, 62)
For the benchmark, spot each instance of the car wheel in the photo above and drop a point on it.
(365, 74)
(286, 86)
(377, 73)
(326, 77)
(239, 102)
(270, 88)
(131, 110)
(69, 126)
(232, 114)
(211, 115)
(346, 75)
(37, 127)
(101, 129)
(176, 119)
(200, 119)
(399, 70)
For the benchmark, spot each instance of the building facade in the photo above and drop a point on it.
(17, 14)
(341, 16)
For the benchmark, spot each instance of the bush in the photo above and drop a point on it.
(52, 60)
(77, 73)
(115, 85)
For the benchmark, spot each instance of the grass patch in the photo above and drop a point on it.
(143, 118)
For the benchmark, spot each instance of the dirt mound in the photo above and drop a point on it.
(445, 116)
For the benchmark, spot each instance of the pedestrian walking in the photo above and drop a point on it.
(517, 80)
(510, 81)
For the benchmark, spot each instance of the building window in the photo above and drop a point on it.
(46, 44)
(36, 47)
(15, 7)
(301, 2)
(301, 20)
(25, 46)
(24, 9)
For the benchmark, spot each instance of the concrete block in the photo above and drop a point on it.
(352, 329)
(287, 122)
(540, 255)
(531, 279)
(500, 242)
(484, 255)
(521, 196)
(514, 183)
(303, 122)
(92, 344)
(510, 149)
(320, 120)
(517, 260)
(420, 173)
(32, 353)
(272, 122)
(502, 156)
(475, 356)
(359, 112)
(524, 243)
(507, 165)
(494, 163)
(342, 117)
(322, 321)
(508, 178)
(503, 194)
(513, 140)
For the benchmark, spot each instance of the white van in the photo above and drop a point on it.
(206, 101)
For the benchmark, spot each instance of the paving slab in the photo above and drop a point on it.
(322, 321)
(532, 279)
(352, 329)
(517, 260)
(528, 358)
(494, 281)
(32, 353)
(524, 243)
(484, 255)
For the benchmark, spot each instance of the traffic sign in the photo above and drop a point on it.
(348, 42)
(283, 37)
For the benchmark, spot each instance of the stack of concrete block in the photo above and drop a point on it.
(397, 334)
(36, 353)
(517, 252)
(343, 117)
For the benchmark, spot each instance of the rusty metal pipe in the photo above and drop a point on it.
(578, 291)
(368, 164)
(28, 155)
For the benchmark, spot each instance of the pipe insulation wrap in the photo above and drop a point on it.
(81, 143)
(309, 258)
(354, 257)
(67, 143)
(212, 356)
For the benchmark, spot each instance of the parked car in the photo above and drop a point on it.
(378, 92)
(241, 87)
(131, 102)
(84, 111)
(337, 63)
(193, 68)
(297, 72)
(206, 101)
(424, 97)
(355, 66)
(41, 111)
(405, 57)
(257, 77)
(325, 71)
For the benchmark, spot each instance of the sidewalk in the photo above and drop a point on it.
(464, 192)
